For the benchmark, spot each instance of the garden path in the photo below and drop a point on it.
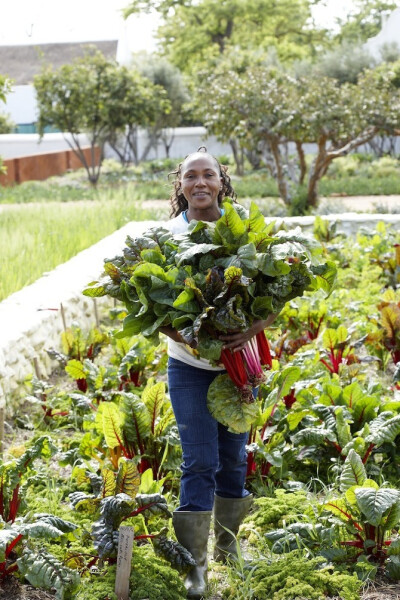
(366, 203)
(353, 203)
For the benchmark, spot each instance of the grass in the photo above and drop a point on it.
(360, 186)
(36, 238)
(74, 186)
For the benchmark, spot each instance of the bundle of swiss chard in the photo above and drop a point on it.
(216, 278)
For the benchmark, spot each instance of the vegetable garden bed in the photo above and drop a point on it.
(323, 457)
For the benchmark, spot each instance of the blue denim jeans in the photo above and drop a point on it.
(214, 460)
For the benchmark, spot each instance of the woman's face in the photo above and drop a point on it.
(201, 181)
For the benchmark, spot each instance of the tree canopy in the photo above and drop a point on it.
(169, 78)
(195, 32)
(277, 113)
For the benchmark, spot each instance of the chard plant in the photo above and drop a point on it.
(301, 322)
(325, 230)
(337, 349)
(116, 498)
(14, 475)
(43, 394)
(142, 428)
(78, 344)
(345, 418)
(362, 525)
(370, 514)
(216, 278)
(98, 381)
(389, 309)
(13, 547)
(382, 250)
(137, 359)
(267, 446)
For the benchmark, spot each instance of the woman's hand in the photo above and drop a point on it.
(237, 341)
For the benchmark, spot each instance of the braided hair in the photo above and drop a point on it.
(177, 199)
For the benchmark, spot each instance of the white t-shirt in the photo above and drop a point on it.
(183, 352)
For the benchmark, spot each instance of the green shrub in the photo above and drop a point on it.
(344, 165)
(272, 513)
(360, 186)
(256, 185)
(296, 576)
(386, 166)
(151, 579)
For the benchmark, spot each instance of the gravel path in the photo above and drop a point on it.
(353, 203)
(365, 203)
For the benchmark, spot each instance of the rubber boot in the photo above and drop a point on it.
(192, 530)
(228, 515)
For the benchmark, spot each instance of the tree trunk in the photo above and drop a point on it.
(152, 141)
(92, 173)
(320, 163)
(238, 156)
(132, 139)
(255, 158)
(283, 186)
(302, 162)
(167, 141)
(325, 157)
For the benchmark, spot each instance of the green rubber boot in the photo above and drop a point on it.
(192, 529)
(228, 515)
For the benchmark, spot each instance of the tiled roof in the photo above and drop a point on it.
(21, 63)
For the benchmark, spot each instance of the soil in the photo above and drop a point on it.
(375, 591)
(12, 589)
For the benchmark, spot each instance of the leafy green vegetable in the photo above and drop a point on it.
(43, 570)
(217, 277)
(224, 403)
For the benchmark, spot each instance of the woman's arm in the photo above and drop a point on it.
(237, 341)
(171, 333)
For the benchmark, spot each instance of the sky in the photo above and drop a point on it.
(42, 21)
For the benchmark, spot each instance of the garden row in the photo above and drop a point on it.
(323, 461)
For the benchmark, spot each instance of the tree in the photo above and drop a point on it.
(141, 104)
(169, 78)
(197, 31)
(76, 99)
(345, 62)
(278, 114)
(94, 96)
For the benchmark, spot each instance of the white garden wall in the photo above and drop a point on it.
(30, 320)
(186, 140)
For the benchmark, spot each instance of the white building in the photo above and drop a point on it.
(22, 63)
(389, 34)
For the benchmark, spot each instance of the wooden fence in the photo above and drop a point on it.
(42, 166)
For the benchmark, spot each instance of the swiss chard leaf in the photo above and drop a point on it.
(224, 403)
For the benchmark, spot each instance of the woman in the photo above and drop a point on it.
(214, 460)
